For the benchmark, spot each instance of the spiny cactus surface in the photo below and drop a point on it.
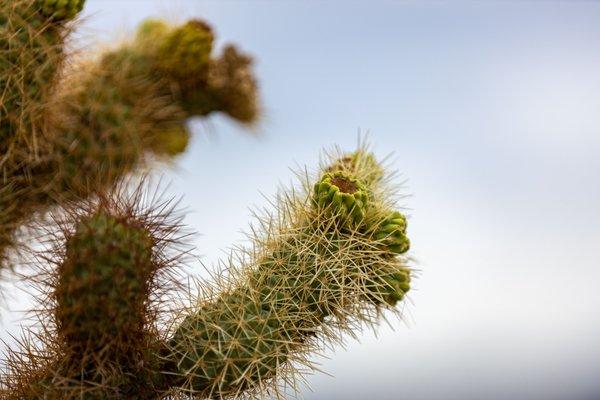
(317, 270)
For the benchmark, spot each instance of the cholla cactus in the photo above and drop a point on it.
(325, 263)
(315, 271)
(68, 133)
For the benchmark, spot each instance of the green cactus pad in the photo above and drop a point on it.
(340, 194)
(391, 233)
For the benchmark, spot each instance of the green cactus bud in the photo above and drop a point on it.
(339, 194)
(390, 289)
(391, 233)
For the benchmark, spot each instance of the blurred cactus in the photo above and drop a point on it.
(324, 264)
(68, 133)
(32, 36)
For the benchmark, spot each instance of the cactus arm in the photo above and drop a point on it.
(103, 344)
(328, 266)
(106, 117)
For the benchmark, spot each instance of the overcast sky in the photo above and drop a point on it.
(492, 112)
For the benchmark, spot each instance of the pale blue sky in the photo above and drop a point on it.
(491, 111)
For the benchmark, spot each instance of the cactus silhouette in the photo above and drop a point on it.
(325, 263)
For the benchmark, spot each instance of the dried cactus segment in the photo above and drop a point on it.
(182, 55)
(234, 86)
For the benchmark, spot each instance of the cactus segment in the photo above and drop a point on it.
(308, 280)
(232, 343)
(109, 265)
(104, 282)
